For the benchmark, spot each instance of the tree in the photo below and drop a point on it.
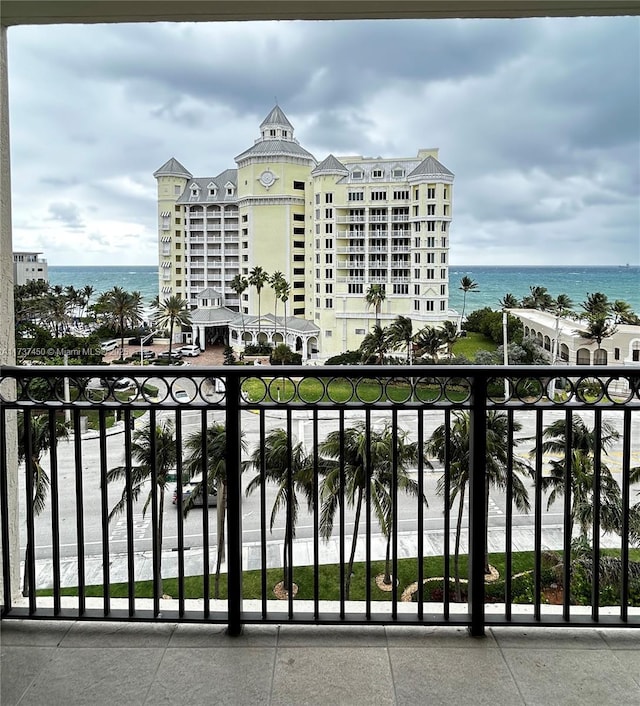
(428, 342)
(164, 461)
(538, 298)
(449, 335)
(170, 312)
(582, 453)
(467, 285)
(374, 297)
(35, 439)
(596, 305)
(291, 469)
(400, 333)
(258, 278)
(121, 309)
(216, 464)
(496, 468)
(623, 313)
(509, 301)
(239, 284)
(276, 281)
(598, 328)
(285, 291)
(375, 345)
(366, 457)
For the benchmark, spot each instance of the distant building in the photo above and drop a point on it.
(28, 267)
(623, 348)
(332, 228)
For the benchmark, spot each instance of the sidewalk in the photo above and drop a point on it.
(303, 549)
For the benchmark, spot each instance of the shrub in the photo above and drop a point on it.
(283, 355)
(348, 358)
(258, 349)
(489, 323)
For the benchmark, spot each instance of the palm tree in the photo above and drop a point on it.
(258, 278)
(285, 291)
(375, 345)
(216, 454)
(39, 442)
(509, 301)
(598, 328)
(449, 335)
(291, 469)
(400, 333)
(276, 281)
(497, 472)
(87, 293)
(428, 342)
(163, 461)
(623, 313)
(366, 457)
(597, 305)
(239, 284)
(582, 450)
(467, 285)
(121, 309)
(374, 297)
(170, 312)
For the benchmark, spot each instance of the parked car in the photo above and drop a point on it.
(181, 396)
(108, 346)
(174, 355)
(190, 351)
(117, 384)
(148, 354)
(198, 501)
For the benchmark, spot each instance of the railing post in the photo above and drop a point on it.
(477, 503)
(234, 506)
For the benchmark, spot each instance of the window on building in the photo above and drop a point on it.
(298, 311)
(416, 305)
(635, 356)
(177, 190)
(298, 258)
(442, 306)
(431, 273)
(431, 242)
(298, 231)
(328, 243)
(443, 257)
(298, 297)
(357, 174)
(401, 195)
(398, 173)
(317, 287)
(431, 257)
(378, 195)
(616, 354)
(446, 210)
(431, 192)
(429, 305)
(317, 199)
(317, 273)
(298, 285)
(328, 198)
(317, 229)
(377, 174)
(416, 193)
(443, 274)
(443, 242)
(272, 133)
(245, 218)
(328, 259)
(355, 289)
(328, 288)
(298, 243)
(443, 290)
(177, 221)
(355, 196)
(245, 258)
(317, 302)
(298, 185)
(298, 216)
(416, 290)
(416, 258)
(401, 289)
(445, 193)
(328, 303)
(416, 273)
(328, 273)
(328, 213)
(431, 209)
(431, 226)
(328, 227)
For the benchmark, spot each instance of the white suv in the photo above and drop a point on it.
(190, 351)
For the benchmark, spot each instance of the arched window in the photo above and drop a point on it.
(600, 357)
(583, 356)
(564, 352)
(547, 343)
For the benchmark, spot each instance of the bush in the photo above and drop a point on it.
(348, 358)
(229, 358)
(283, 355)
(489, 323)
(258, 349)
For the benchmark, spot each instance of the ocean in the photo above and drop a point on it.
(493, 282)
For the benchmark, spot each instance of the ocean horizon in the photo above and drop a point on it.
(494, 281)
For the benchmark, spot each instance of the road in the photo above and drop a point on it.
(302, 429)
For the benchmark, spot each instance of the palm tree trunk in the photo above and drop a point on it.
(25, 578)
(456, 555)
(221, 514)
(387, 562)
(486, 525)
(170, 339)
(160, 523)
(354, 541)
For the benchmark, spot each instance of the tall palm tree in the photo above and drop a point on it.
(428, 342)
(583, 447)
(121, 309)
(623, 313)
(289, 467)
(597, 305)
(362, 462)
(598, 328)
(400, 333)
(285, 292)
(509, 301)
(170, 312)
(467, 285)
(40, 441)
(239, 284)
(164, 462)
(375, 345)
(87, 293)
(276, 282)
(449, 334)
(216, 455)
(496, 468)
(258, 278)
(374, 297)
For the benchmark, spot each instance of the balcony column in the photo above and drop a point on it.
(7, 332)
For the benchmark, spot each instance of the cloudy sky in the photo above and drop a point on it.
(538, 119)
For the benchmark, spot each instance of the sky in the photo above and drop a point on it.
(538, 119)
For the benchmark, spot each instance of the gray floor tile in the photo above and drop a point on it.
(537, 638)
(43, 633)
(332, 675)
(630, 659)
(441, 637)
(563, 676)
(194, 676)
(19, 666)
(453, 676)
(203, 635)
(332, 636)
(118, 634)
(90, 675)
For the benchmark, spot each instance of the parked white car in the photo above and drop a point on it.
(190, 351)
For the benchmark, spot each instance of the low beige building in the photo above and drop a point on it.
(29, 267)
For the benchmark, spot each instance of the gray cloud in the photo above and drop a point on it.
(537, 118)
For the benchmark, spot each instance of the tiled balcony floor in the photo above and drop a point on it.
(47, 663)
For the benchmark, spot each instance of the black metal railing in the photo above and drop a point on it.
(364, 477)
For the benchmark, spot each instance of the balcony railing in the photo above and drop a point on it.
(344, 443)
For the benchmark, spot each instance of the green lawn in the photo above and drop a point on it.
(472, 343)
